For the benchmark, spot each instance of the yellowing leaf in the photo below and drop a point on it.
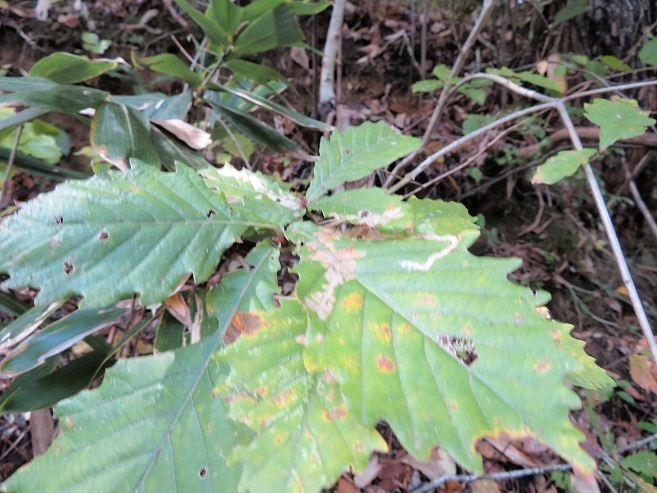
(618, 119)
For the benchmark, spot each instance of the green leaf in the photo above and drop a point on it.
(254, 129)
(270, 105)
(11, 305)
(67, 68)
(42, 387)
(210, 27)
(158, 106)
(55, 338)
(119, 132)
(529, 77)
(169, 64)
(564, 164)
(171, 150)
(116, 234)
(228, 16)
(21, 117)
(155, 424)
(372, 207)
(570, 11)
(254, 71)
(262, 200)
(648, 53)
(304, 427)
(259, 7)
(21, 328)
(428, 85)
(170, 334)
(309, 8)
(618, 119)
(272, 29)
(644, 463)
(260, 281)
(421, 333)
(355, 153)
(51, 96)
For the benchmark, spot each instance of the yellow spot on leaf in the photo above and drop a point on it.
(353, 302)
(284, 398)
(467, 330)
(248, 324)
(381, 331)
(279, 440)
(543, 366)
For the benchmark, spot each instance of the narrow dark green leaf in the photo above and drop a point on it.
(170, 333)
(38, 167)
(254, 71)
(259, 7)
(170, 150)
(56, 338)
(228, 16)
(254, 129)
(49, 95)
(273, 29)
(20, 329)
(169, 64)
(11, 305)
(267, 104)
(24, 116)
(210, 27)
(309, 8)
(42, 387)
(67, 68)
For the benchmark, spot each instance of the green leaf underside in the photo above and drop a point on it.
(354, 154)
(564, 164)
(67, 68)
(262, 200)
(155, 424)
(142, 231)
(618, 119)
(648, 53)
(306, 434)
(376, 306)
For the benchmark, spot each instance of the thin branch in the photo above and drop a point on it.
(614, 242)
(10, 164)
(497, 476)
(639, 202)
(638, 444)
(486, 9)
(327, 77)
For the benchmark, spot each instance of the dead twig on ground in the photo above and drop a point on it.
(327, 77)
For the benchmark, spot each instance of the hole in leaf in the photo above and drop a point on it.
(68, 268)
(364, 214)
(461, 347)
(211, 213)
(347, 152)
(103, 235)
(202, 472)
(59, 219)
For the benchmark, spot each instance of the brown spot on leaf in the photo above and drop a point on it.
(385, 364)
(279, 440)
(59, 219)
(203, 472)
(69, 268)
(103, 235)
(339, 413)
(248, 324)
(283, 399)
(301, 339)
(543, 366)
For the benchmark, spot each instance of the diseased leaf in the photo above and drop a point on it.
(155, 424)
(304, 427)
(618, 118)
(354, 154)
(564, 164)
(419, 332)
(142, 231)
(262, 200)
(67, 68)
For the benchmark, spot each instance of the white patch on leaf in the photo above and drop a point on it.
(452, 241)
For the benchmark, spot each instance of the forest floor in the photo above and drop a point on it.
(556, 231)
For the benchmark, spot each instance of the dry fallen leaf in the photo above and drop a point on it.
(189, 134)
(642, 369)
(369, 474)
